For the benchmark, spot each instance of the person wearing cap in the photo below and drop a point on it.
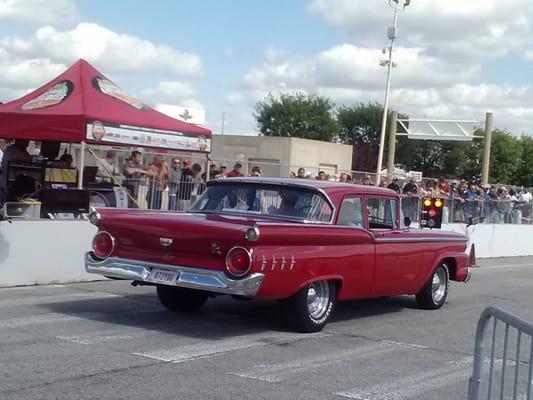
(107, 168)
(236, 172)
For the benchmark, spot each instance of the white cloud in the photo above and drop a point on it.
(173, 93)
(112, 51)
(39, 11)
(470, 29)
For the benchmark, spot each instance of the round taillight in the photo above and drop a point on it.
(238, 262)
(103, 245)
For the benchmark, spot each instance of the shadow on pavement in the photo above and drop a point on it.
(221, 317)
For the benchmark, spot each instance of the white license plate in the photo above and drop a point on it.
(160, 276)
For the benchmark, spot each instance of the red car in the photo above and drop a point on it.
(306, 243)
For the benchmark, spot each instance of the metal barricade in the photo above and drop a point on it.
(484, 384)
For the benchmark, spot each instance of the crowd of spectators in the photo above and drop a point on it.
(465, 200)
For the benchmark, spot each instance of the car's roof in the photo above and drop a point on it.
(327, 186)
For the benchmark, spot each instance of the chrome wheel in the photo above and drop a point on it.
(318, 299)
(438, 285)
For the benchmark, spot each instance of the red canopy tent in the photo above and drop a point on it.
(82, 105)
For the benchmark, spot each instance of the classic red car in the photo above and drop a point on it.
(306, 243)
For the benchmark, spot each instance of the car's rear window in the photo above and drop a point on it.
(261, 199)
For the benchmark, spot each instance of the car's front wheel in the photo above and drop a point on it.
(310, 309)
(181, 299)
(434, 293)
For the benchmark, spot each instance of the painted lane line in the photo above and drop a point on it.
(88, 340)
(49, 318)
(203, 350)
(496, 267)
(407, 387)
(274, 373)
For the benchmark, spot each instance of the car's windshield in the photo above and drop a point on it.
(262, 199)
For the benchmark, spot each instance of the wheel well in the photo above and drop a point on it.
(338, 284)
(452, 266)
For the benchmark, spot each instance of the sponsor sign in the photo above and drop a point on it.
(51, 97)
(108, 88)
(145, 137)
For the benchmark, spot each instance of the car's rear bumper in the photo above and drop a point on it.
(188, 277)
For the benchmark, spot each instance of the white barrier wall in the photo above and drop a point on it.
(497, 240)
(42, 252)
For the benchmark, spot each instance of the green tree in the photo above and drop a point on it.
(297, 115)
(504, 157)
(524, 171)
(360, 124)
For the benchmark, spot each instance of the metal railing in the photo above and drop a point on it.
(515, 384)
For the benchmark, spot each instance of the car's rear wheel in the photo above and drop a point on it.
(310, 309)
(181, 299)
(434, 293)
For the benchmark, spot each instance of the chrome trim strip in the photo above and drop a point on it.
(165, 242)
(422, 239)
(189, 277)
(293, 262)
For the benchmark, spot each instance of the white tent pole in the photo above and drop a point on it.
(81, 165)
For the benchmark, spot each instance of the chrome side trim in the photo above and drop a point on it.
(422, 239)
(189, 277)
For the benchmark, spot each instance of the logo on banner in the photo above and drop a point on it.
(98, 130)
(105, 86)
(51, 97)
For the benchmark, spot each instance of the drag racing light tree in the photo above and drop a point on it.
(397, 5)
(431, 215)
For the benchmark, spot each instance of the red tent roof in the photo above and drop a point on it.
(61, 109)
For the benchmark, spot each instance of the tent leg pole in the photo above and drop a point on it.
(81, 165)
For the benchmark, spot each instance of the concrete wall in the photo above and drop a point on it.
(497, 240)
(289, 153)
(42, 252)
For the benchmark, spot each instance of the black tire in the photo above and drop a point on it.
(181, 299)
(433, 294)
(298, 314)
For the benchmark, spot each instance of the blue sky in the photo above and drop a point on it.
(456, 59)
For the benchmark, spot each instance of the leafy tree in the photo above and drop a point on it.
(524, 171)
(360, 124)
(504, 157)
(297, 115)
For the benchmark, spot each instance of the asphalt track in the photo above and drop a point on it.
(108, 340)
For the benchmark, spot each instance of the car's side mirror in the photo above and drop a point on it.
(407, 222)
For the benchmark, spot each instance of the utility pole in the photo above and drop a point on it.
(486, 149)
(397, 5)
(223, 121)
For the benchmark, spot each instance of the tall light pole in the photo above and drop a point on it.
(397, 5)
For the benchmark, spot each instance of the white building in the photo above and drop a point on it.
(278, 156)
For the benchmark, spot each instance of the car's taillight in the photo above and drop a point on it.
(238, 262)
(103, 245)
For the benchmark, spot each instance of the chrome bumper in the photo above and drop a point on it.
(193, 278)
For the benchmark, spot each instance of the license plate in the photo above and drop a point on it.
(160, 276)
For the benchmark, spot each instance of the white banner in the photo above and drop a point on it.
(145, 137)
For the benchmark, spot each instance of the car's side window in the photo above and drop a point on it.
(381, 213)
(351, 212)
